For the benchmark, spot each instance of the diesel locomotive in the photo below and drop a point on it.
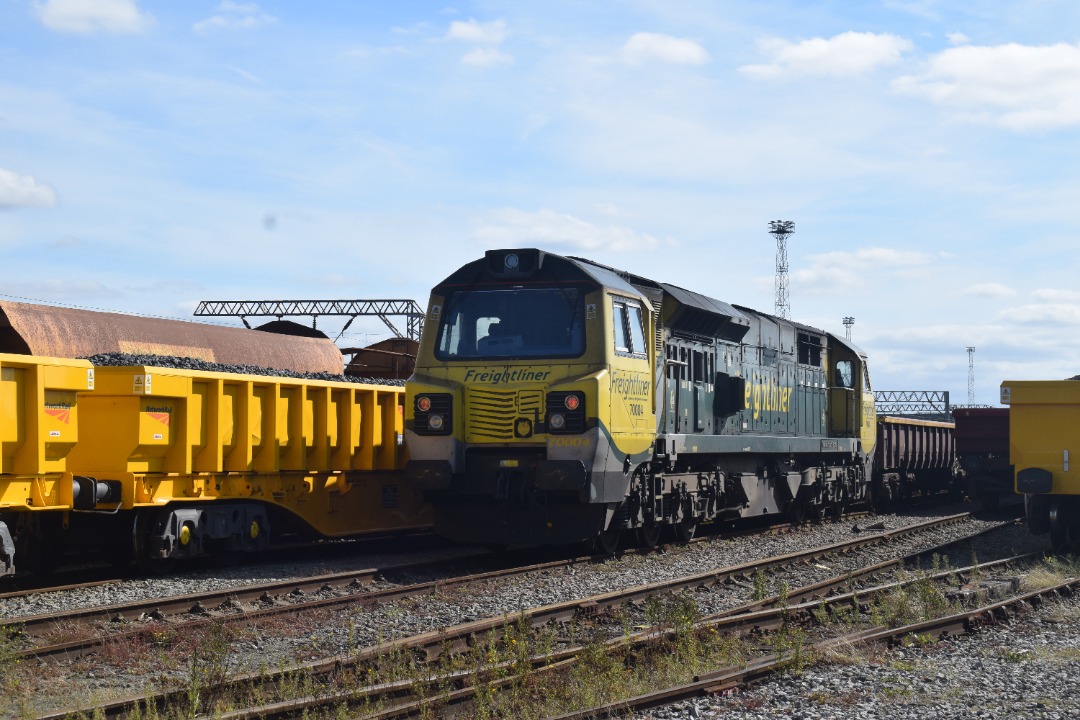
(557, 400)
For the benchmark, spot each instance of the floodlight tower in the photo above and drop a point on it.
(780, 229)
(848, 322)
(971, 375)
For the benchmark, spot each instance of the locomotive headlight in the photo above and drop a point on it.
(435, 422)
(423, 403)
(557, 421)
(572, 402)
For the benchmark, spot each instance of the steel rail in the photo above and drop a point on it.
(767, 614)
(721, 680)
(264, 600)
(457, 638)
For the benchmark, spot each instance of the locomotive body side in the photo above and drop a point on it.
(625, 405)
(791, 426)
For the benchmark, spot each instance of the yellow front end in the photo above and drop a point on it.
(521, 449)
(1044, 434)
(1044, 438)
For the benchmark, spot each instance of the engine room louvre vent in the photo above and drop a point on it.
(658, 332)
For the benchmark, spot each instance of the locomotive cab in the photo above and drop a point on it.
(532, 398)
(852, 412)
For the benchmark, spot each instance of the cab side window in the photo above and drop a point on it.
(844, 374)
(629, 328)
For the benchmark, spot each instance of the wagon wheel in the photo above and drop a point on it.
(144, 520)
(1059, 526)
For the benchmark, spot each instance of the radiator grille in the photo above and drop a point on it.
(490, 414)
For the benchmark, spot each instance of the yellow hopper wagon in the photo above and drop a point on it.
(159, 464)
(1044, 448)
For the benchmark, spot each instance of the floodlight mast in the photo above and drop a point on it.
(781, 229)
(971, 375)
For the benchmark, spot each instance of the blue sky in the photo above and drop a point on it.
(154, 154)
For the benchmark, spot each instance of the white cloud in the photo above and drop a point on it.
(645, 47)
(1059, 296)
(1020, 87)
(990, 290)
(489, 33)
(547, 229)
(234, 16)
(1055, 313)
(486, 57)
(868, 259)
(849, 53)
(85, 17)
(839, 272)
(24, 191)
(958, 38)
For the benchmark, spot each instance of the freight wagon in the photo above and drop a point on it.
(160, 464)
(913, 456)
(1044, 435)
(982, 451)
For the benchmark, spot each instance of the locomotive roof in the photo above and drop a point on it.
(651, 287)
(609, 277)
(695, 311)
(692, 312)
(810, 328)
(704, 302)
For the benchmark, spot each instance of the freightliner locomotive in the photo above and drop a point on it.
(556, 400)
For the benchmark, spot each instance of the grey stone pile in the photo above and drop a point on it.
(188, 363)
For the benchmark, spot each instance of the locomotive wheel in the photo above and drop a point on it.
(607, 542)
(649, 535)
(685, 529)
(798, 512)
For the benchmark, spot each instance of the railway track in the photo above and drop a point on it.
(953, 625)
(115, 622)
(94, 573)
(463, 636)
(769, 615)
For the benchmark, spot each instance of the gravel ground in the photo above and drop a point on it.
(1023, 670)
(361, 627)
